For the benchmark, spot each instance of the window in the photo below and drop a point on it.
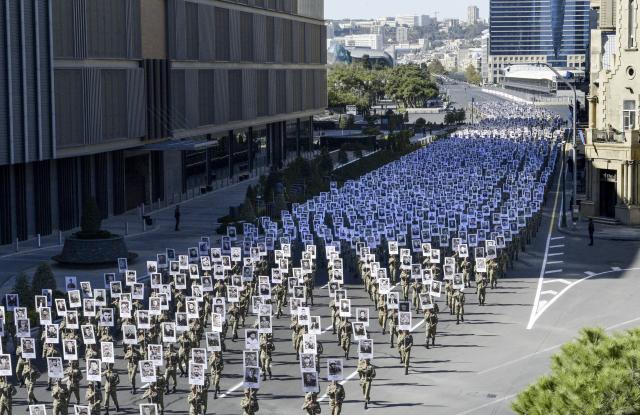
(629, 115)
(632, 24)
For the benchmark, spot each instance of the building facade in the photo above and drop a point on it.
(473, 15)
(135, 101)
(613, 138)
(534, 31)
(402, 35)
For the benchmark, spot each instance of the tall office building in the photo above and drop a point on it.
(473, 14)
(135, 101)
(402, 35)
(533, 31)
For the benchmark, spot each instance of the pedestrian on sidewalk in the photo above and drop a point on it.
(591, 230)
(176, 215)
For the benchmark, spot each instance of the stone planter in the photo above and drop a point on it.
(77, 251)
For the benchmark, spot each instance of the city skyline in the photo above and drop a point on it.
(366, 9)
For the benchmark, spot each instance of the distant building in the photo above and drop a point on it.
(376, 57)
(410, 21)
(485, 56)
(402, 35)
(555, 32)
(612, 165)
(473, 15)
(371, 41)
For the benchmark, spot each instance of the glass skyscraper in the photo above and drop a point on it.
(555, 29)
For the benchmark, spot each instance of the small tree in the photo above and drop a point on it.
(91, 219)
(420, 123)
(343, 122)
(596, 374)
(24, 291)
(43, 278)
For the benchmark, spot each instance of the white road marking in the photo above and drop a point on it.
(557, 237)
(548, 349)
(549, 292)
(488, 404)
(233, 389)
(556, 246)
(567, 288)
(557, 280)
(556, 254)
(615, 268)
(555, 262)
(590, 273)
(553, 271)
(417, 325)
(536, 300)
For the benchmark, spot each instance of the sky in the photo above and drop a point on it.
(364, 9)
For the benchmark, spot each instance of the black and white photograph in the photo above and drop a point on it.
(404, 320)
(345, 307)
(310, 382)
(251, 377)
(252, 339)
(148, 409)
(69, 349)
(359, 331)
(88, 335)
(5, 365)
(196, 373)
(28, 347)
(154, 354)
(365, 349)
(264, 324)
(23, 328)
(38, 409)
(147, 371)
(107, 354)
(94, 370)
(129, 335)
(213, 342)
(335, 370)
(51, 333)
(307, 362)
(81, 410)
(54, 367)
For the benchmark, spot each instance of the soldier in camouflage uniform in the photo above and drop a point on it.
(266, 348)
(335, 392)
(216, 366)
(431, 325)
(367, 373)
(132, 356)
(249, 402)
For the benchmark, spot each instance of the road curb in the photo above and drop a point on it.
(595, 236)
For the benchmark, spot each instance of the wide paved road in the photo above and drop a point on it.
(558, 286)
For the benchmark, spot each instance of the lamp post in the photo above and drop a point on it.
(574, 122)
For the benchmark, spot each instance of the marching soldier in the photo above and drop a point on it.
(30, 375)
(266, 348)
(335, 315)
(154, 393)
(60, 395)
(382, 313)
(112, 379)
(183, 354)
(20, 366)
(393, 327)
(133, 357)
(493, 273)
(346, 330)
(171, 363)
(194, 401)
(466, 271)
(367, 373)
(249, 403)
(405, 343)
(216, 365)
(311, 405)
(404, 283)
(458, 301)
(7, 391)
(204, 393)
(74, 376)
(280, 293)
(482, 291)
(93, 398)
(392, 268)
(431, 325)
(448, 288)
(335, 392)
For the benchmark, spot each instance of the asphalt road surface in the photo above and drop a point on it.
(558, 286)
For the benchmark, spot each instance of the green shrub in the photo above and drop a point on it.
(342, 156)
(43, 278)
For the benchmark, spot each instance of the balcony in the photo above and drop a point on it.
(604, 136)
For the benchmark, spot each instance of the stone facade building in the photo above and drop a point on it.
(613, 138)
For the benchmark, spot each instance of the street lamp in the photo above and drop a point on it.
(574, 122)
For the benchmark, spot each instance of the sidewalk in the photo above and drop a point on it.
(199, 217)
(602, 231)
